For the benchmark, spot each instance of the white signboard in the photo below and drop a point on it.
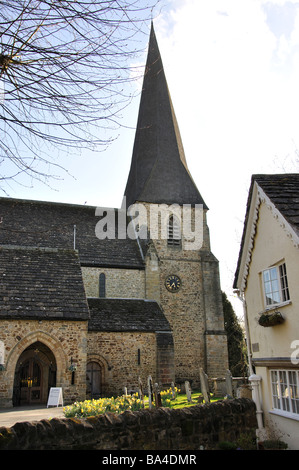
(55, 397)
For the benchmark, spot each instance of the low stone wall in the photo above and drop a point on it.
(194, 428)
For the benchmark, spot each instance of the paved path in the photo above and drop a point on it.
(10, 416)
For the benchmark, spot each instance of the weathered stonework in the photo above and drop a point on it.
(121, 362)
(152, 275)
(189, 429)
(123, 357)
(124, 283)
(66, 340)
(195, 311)
(52, 256)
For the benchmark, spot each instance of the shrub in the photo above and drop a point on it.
(226, 445)
(247, 441)
(274, 444)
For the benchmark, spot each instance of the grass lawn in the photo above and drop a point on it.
(129, 402)
(182, 402)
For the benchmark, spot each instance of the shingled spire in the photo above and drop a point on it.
(159, 172)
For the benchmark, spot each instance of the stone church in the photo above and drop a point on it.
(91, 311)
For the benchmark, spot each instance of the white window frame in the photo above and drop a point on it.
(275, 284)
(285, 392)
(174, 238)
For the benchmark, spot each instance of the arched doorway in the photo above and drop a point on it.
(93, 380)
(35, 374)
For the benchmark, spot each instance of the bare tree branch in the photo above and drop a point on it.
(63, 70)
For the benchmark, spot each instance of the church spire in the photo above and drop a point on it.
(159, 172)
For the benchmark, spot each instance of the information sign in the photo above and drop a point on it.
(55, 397)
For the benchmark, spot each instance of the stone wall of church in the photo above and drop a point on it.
(120, 283)
(194, 311)
(217, 358)
(195, 314)
(215, 337)
(152, 275)
(123, 357)
(66, 339)
(185, 312)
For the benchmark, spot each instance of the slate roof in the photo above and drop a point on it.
(41, 283)
(283, 191)
(126, 315)
(159, 172)
(48, 224)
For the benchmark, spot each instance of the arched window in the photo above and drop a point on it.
(102, 285)
(173, 232)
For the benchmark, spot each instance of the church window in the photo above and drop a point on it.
(102, 285)
(173, 232)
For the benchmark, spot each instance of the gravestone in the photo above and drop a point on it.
(150, 391)
(141, 395)
(188, 391)
(158, 400)
(229, 384)
(172, 390)
(204, 385)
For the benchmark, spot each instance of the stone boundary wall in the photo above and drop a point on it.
(194, 428)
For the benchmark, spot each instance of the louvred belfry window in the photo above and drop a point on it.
(173, 232)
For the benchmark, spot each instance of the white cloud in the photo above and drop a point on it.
(237, 104)
(234, 84)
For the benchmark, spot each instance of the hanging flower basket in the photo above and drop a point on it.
(271, 319)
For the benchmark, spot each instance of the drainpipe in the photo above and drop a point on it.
(254, 379)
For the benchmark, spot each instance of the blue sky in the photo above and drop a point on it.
(233, 71)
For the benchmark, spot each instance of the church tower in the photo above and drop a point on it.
(182, 277)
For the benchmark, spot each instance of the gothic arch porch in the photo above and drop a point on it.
(35, 374)
(35, 364)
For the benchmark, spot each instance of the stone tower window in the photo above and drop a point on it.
(102, 285)
(173, 232)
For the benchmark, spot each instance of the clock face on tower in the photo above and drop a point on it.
(173, 283)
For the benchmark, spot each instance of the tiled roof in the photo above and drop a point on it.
(283, 191)
(41, 283)
(126, 315)
(159, 172)
(47, 224)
